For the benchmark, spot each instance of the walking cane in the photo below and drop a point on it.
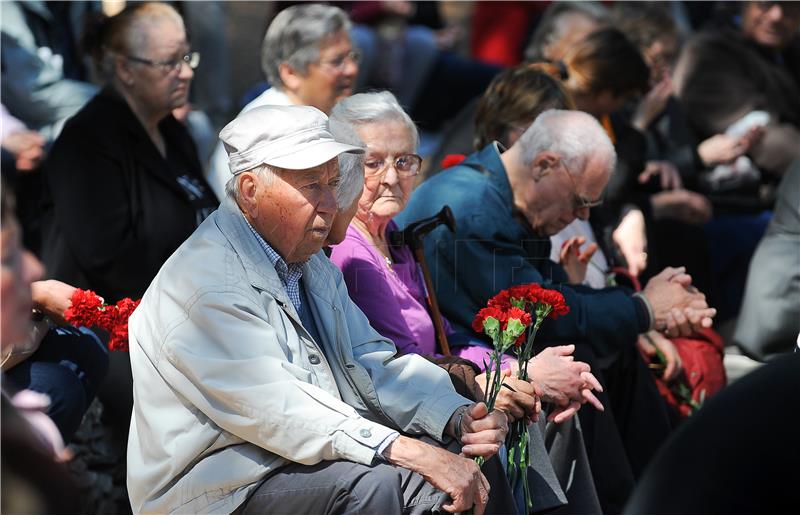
(412, 236)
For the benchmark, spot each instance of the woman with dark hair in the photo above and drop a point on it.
(514, 99)
(123, 180)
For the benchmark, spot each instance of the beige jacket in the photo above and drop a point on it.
(229, 386)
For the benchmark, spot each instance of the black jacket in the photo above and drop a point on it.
(114, 208)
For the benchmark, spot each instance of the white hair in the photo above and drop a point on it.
(296, 36)
(574, 135)
(379, 106)
(351, 166)
(264, 172)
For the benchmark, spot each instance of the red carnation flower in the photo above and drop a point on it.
(485, 313)
(523, 316)
(501, 301)
(556, 301)
(89, 310)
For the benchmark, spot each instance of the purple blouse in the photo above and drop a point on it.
(391, 296)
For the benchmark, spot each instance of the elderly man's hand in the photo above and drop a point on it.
(678, 307)
(519, 399)
(567, 383)
(557, 374)
(457, 476)
(482, 433)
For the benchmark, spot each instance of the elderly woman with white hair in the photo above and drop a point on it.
(383, 279)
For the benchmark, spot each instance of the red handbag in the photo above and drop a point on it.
(702, 374)
(703, 371)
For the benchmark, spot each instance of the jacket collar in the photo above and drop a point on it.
(260, 272)
(487, 161)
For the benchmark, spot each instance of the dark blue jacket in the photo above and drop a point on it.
(492, 250)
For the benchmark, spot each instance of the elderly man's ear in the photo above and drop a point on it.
(248, 193)
(543, 163)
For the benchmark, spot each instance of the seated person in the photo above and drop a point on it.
(725, 73)
(308, 59)
(66, 364)
(506, 206)
(260, 387)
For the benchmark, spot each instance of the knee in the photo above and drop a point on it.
(68, 399)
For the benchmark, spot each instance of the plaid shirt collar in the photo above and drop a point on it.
(289, 274)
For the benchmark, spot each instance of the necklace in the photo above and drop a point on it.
(389, 261)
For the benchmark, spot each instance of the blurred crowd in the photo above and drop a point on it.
(643, 157)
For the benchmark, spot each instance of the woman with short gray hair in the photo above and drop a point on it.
(383, 278)
(309, 60)
(296, 35)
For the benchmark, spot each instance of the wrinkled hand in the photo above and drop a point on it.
(679, 308)
(687, 206)
(522, 401)
(574, 261)
(652, 104)
(652, 341)
(670, 178)
(724, 149)
(631, 238)
(52, 298)
(563, 381)
(455, 475)
(482, 433)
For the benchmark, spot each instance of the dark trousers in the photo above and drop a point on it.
(68, 367)
(343, 487)
(621, 440)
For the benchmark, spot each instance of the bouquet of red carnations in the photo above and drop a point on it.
(90, 310)
(512, 319)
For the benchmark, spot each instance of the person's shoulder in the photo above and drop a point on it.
(101, 119)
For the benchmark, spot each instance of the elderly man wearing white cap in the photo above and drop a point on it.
(259, 387)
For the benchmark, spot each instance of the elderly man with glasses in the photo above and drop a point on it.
(506, 205)
(308, 60)
(261, 388)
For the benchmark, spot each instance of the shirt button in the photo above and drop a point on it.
(314, 359)
(366, 433)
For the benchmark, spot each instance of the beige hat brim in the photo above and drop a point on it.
(311, 154)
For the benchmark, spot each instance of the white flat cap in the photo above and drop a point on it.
(290, 137)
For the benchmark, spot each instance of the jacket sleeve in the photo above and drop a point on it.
(608, 318)
(226, 359)
(414, 393)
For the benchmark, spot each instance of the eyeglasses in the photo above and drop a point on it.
(339, 63)
(578, 201)
(406, 165)
(172, 65)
